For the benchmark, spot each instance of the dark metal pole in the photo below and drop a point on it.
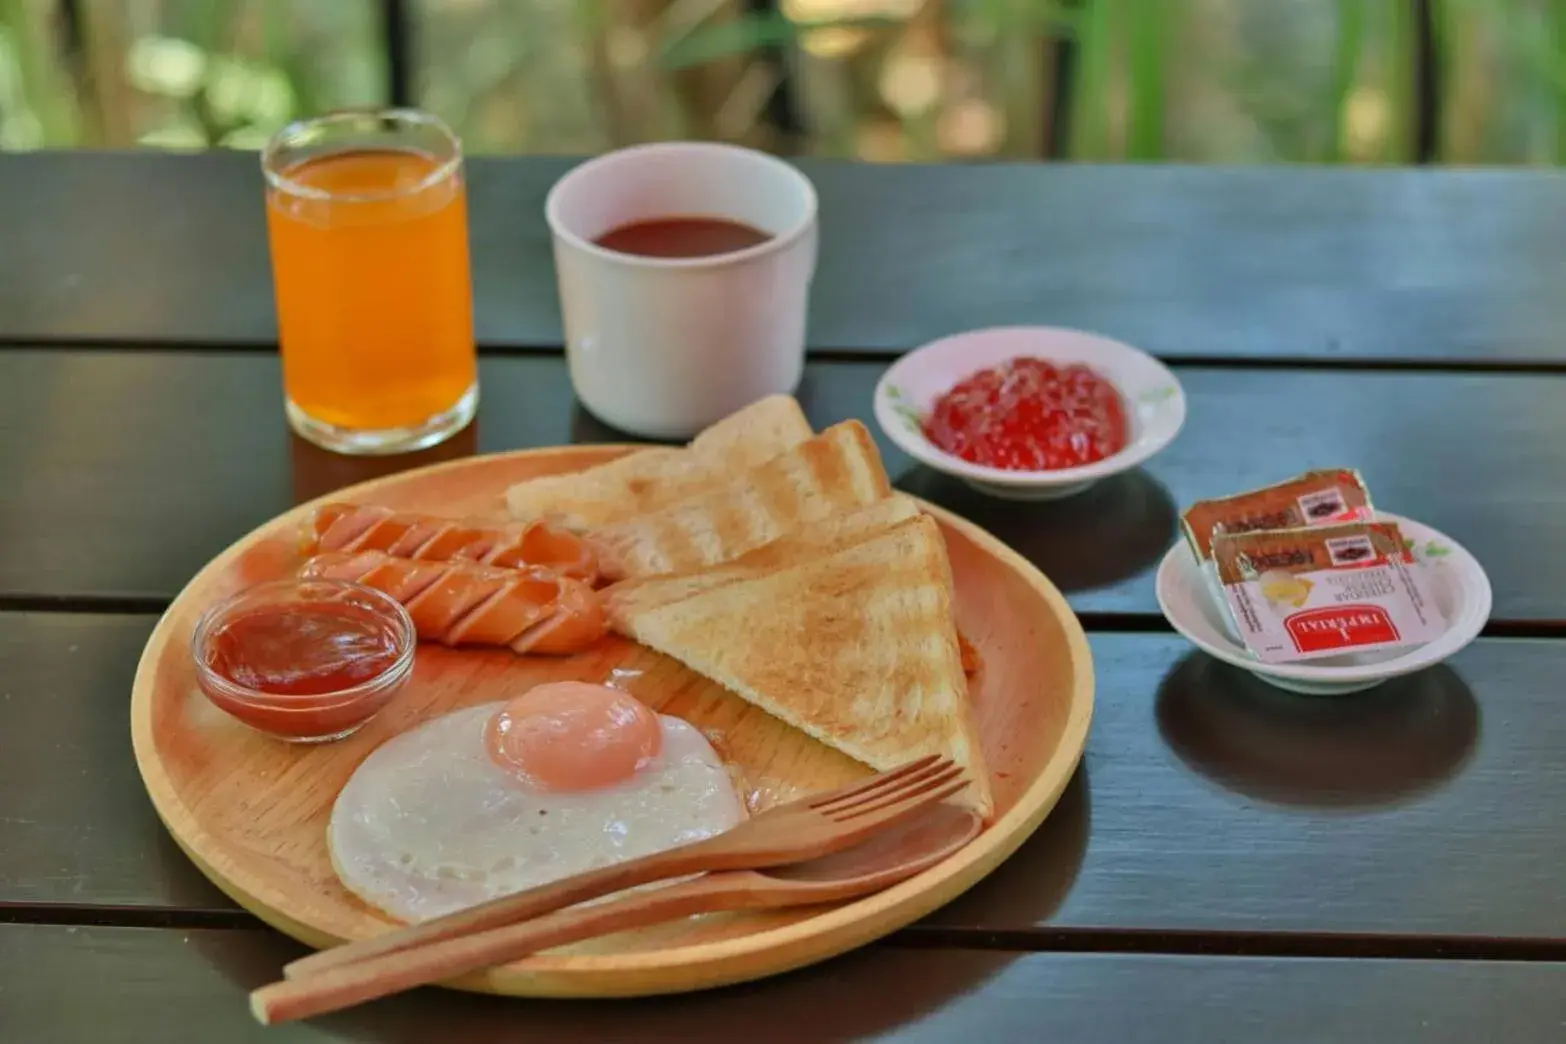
(397, 30)
(1427, 84)
(781, 110)
(1064, 48)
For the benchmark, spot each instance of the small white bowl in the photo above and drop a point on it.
(906, 393)
(1457, 583)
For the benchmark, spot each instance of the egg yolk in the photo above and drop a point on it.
(573, 736)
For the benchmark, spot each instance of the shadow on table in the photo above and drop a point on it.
(1361, 750)
(861, 994)
(1032, 884)
(1103, 536)
(317, 472)
(588, 429)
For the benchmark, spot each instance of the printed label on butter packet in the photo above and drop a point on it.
(1302, 594)
(1316, 498)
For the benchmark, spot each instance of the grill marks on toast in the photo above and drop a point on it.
(808, 541)
(831, 473)
(649, 479)
(641, 481)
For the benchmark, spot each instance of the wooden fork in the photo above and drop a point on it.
(805, 829)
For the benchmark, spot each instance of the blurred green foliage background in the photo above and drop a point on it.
(1203, 81)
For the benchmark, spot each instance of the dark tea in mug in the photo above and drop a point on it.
(681, 237)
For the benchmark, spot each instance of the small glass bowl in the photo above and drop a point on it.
(318, 717)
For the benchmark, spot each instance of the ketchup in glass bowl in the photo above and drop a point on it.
(1029, 412)
(305, 660)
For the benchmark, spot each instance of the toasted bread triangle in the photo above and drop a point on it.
(857, 648)
(833, 472)
(650, 478)
(755, 434)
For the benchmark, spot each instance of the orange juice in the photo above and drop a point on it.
(374, 299)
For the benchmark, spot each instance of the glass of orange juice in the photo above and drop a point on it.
(367, 216)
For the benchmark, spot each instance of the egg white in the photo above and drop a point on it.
(428, 824)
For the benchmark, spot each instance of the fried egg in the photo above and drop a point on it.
(500, 797)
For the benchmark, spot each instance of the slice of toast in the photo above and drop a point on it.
(650, 478)
(836, 471)
(755, 434)
(857, 648)
(629, 597)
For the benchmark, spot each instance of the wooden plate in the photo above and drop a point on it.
(251, 811)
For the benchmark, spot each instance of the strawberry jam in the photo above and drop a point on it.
(1030, 415)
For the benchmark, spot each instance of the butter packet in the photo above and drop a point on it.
(1323, 497)
(1305, 593)
(1315, 498)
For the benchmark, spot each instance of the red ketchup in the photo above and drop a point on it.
(309, 650)
(1030, 415)
(305, 660)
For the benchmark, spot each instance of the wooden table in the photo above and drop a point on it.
(1231, 863)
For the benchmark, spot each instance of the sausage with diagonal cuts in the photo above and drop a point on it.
(461, 602)
(367, 527)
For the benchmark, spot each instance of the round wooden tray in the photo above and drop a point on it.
(251, 811)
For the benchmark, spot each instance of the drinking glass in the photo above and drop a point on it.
(367, 219)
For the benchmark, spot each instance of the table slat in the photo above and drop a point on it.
(1208, 802)
(1244, 263)
(129, 470)
(143, 982)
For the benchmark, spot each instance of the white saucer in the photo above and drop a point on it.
(907, 392)
(1457, 583)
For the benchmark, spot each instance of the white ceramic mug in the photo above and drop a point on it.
(663, 347)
